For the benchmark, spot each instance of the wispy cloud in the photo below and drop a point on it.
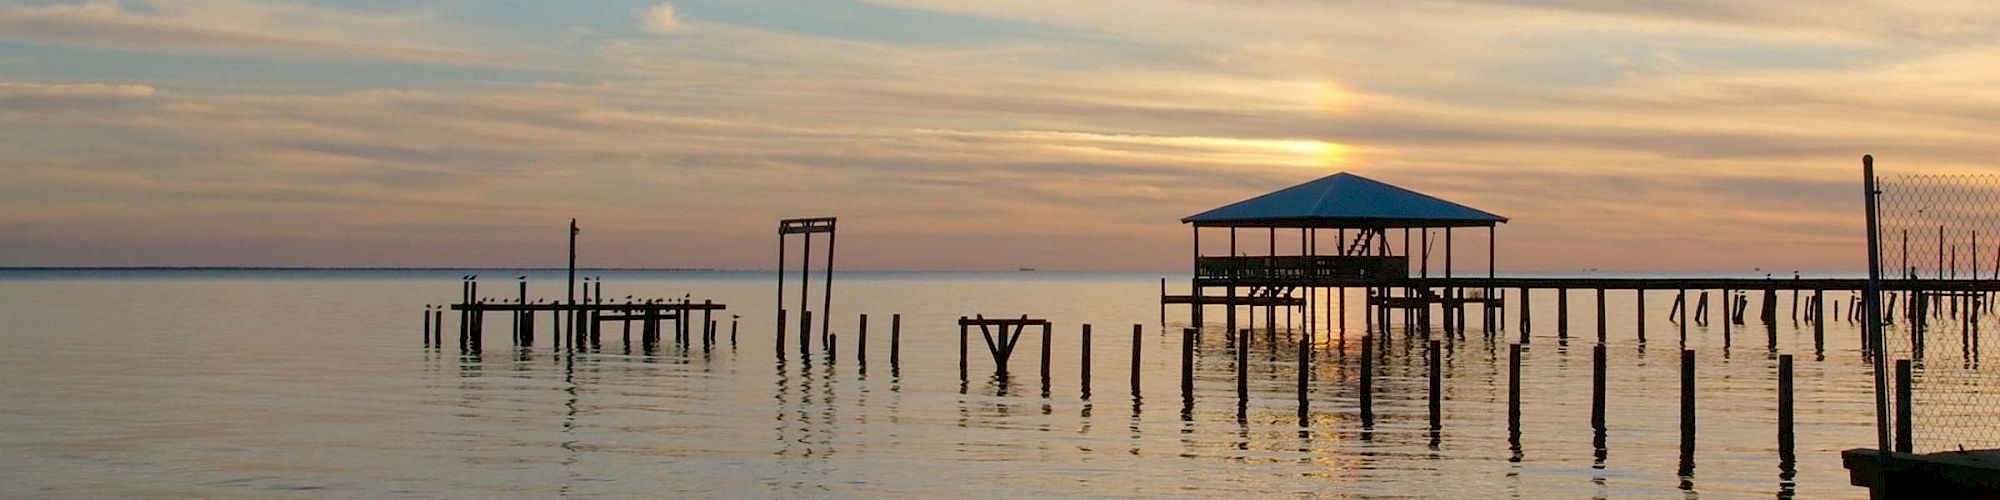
(1615, 135)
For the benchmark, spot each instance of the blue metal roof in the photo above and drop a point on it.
(1345, 199)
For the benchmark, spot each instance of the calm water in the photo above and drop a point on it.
(252, 384)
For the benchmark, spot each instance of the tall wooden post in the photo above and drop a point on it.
(570, 291)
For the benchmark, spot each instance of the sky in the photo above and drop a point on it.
(962, 134)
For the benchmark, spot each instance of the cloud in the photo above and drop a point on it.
(235, 27)
(661, 19)
(1093, 143)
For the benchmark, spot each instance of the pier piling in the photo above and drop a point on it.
(1135, 361)
(1785, 443)
(1084, 371)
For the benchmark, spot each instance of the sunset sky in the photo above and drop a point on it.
(961, 134)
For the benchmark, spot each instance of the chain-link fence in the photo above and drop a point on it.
(1940, 236)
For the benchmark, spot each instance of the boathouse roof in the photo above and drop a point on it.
(1344, 200)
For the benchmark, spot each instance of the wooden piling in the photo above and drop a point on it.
(1600, 316)
(1524, 315)
(1305, 367)
(1135, 361)
(961, 349)
(732, 330)
(1597, 387)
(1562, 313)
(805, 332)
(1819, 319)
(1785, 443)
(1437, 385)
(1687, 410)
(1242, 372)
(861, 343)
(1639, 298)
(1514, 389)
(1903, 405)
(1367, 381)
(780, 341)
(1047, 337)
(1187, 364)
(895, 341)
(1084, 372)
(427, 325)
(1701, 311)
(832, 348)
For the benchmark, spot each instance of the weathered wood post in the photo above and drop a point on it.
(427, 325)
(1514, 391)
(779, 342)
(1524, 315)
(1597, 376)
(1639, 297)
(522, 331)
(1187, 365)
(961, 349)
(1367, 381)
(1084, 371)
(861, 343)
(1769, 313)
(832, 347)
(1047, 337)
(1687, 411)
(1819, 318)
(708, 323)
(1727, 319)
(1600, 316)
(1437, 385)
(1305, 367)
(895, 342)
(805, 338)
(1135, 361)
(732, 329)
(1701, 311)
(1242, 373)
(1562, 313)
(1785, 443)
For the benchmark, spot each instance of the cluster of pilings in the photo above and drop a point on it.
(578, 325)
(1003, 334)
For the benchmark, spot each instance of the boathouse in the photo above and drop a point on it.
(1360, 214)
